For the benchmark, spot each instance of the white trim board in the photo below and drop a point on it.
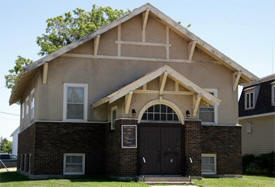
(257, 115)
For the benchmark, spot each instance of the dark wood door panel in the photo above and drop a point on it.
(170, 150)
(160, 149)
(149, 157)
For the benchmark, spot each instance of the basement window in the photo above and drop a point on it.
(208, 164)
(74, 164)
(249, 99)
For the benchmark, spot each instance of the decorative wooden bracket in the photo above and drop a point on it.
(144, 24)
(45, 73)
(236, 79)
(162, 82)
(197, 104)
(119, 39)
(144, 87)
(128, 99)
(191, 49)
(96, 45)
(167, 43)
(176, 86)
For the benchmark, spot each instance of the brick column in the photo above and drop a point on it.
(128, 156)
(192, 147)
(120, 161)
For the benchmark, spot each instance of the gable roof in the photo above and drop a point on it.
(261, 80)
(206, 96)
(246, 75)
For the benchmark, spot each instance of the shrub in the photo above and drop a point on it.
(259, 165)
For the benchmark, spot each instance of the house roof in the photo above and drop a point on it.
(15, 131)
(246, 75)
(264, 79)
(171, 73)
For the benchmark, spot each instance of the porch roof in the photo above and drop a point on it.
(164, 71)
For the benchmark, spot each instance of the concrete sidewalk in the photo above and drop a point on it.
(10, 170)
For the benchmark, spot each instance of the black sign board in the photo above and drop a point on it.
(129, 133)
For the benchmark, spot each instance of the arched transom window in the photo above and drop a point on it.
(160, 112)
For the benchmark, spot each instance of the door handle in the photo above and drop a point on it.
(144, 161)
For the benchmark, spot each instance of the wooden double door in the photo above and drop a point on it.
(160, 149)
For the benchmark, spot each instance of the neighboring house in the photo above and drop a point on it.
(15, 140)
(257, 116)
(126, 101)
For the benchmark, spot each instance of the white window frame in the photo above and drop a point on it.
(32, 103)
(215, 92)
(126, 147)
(249, 128)
(215, 164)
(114, 108)
(27, 107)
(23, 111)
(249, 92)
(273, 93)
(85, 86)
(83, 164)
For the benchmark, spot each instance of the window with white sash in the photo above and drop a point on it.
(75, 102)
(273, 93)
(23, 111)
(27, 107)
(74, 164)
(208, 114)
(249, 99)
(208, 164)
(32, 104)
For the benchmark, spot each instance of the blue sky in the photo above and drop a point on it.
(243, 30)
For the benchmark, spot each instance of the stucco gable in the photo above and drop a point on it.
(79, 48)
(163, 71)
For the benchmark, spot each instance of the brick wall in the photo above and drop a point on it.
(192, 147)
(225, 142)
(120, 162)
(26, 144)
(52, 140)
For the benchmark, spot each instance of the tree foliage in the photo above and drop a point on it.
(65, 29)
(5, 145)
(62, 30)
(13, 73)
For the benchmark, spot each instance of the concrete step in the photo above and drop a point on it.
(160, 179)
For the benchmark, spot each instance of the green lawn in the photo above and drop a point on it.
(13, 179)
(245, 181)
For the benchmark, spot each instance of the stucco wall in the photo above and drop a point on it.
(262, 136)
(34, 83)
(106, 76)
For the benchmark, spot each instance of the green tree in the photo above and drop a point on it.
(65, 29)
(13, 73)
(5, 145)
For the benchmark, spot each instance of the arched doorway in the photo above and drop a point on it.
(160, 139)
